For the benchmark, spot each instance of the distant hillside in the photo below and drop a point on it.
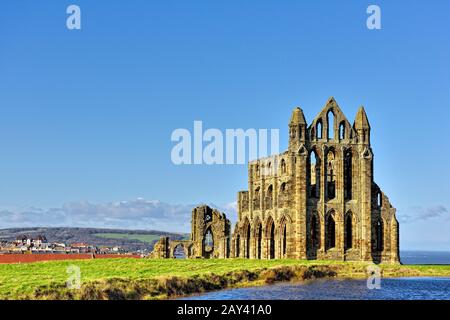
(128, 239)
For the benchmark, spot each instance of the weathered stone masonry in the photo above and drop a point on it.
(317, 200)
(210, 237)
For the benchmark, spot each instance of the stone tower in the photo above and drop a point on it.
(318, 200)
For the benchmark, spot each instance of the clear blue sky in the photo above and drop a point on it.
(86, 115)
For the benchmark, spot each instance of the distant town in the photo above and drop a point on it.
(39, 244)
(25, 245)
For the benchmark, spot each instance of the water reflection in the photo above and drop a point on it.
(391, 289)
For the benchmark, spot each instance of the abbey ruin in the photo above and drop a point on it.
(210, 237)
(317, 200)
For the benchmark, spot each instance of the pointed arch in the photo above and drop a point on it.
(330, 230)
(314, 172)
(270, 191)
(285, 226)
(179, 251)
(331, 175)
(315, 231)
(319, 129)
(283, 195)
(208, 242)
(270, 237)
(348, 231)
(330, 124)
(258, 238)
(257, 199)
(348, 174)
(342, 132)
(379, 232)
(269, 197)
(283, 166)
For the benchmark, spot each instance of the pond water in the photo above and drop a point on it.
(391, 289)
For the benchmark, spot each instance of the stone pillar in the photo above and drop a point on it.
(252, 241)
(395, 254)
(233, 247)
(277, 243)
(321, 204)
(340, 197)
(250, 192)
(263, 196)
(300, 206)
(366, 202)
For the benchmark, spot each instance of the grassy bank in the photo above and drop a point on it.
(156, 279)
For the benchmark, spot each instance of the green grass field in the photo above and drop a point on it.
(22, 280)
(147, 238)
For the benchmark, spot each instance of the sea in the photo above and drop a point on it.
(425, 257)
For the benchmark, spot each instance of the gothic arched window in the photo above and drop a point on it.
(314, 167)
(319, 129)
(342, 131)
(330, 124)
(331, 176)
(330, 236)
(269, 197)
(348, 175)
(256, 199)
(208, 241)
(348, 231)
(178, 252)
(283, 166)
(379, 234)
(270, 191)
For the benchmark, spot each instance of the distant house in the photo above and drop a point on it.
(26, 243)
(109, 250)
(81, 247)
(40, 241)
